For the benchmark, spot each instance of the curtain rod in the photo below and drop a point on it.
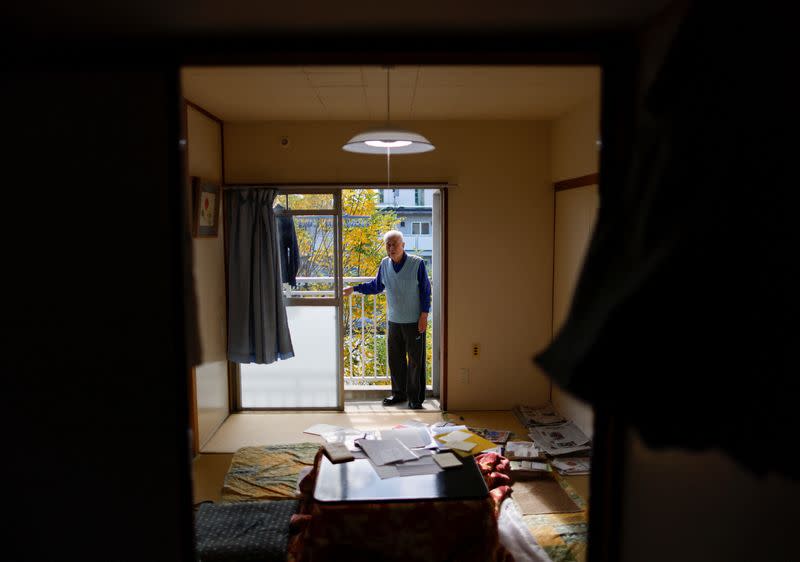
(339, 185)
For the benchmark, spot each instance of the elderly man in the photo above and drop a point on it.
(408, 302)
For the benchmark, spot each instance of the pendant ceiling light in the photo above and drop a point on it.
(386, 139)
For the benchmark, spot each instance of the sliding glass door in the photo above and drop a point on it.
(341, 343)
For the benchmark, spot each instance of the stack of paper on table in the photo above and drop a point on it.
(391, 458)
(560, 439)
(463, 442)
(411, 437)
(386, 451)
(425, 464)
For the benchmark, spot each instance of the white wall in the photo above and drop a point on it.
(574, 153)
(211, 382)
(500, 232)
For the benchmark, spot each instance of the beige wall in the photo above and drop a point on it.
(574, 153)
(500, 232)
(574, 138)
(205, 161)
(576, 211)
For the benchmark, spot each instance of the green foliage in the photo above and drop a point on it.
(362, 251)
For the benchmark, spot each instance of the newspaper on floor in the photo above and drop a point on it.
(531, 416)
(560, 439)
(522, 450)
(572, 465)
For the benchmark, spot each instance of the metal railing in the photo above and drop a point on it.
(365, 326)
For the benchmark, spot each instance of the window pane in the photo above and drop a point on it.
(316, 269)
(304, 201)
(415, 228)
(309, 379)
(426, 228)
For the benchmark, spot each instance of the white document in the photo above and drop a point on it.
(341, 435)
(465, 446)
(385, 451)
(385, 471)
(413, 423)
(424, 465)
(439, 429)
(574, 465)
(529, 466)
(346, 436)
(411, 437)
(456, 436)
(447, 460)
(320, 428)
(521, 450)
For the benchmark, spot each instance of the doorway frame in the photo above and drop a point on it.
(615, 53)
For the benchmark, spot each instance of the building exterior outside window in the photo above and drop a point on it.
(423, 228)
(415, 217)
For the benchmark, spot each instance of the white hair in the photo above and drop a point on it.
(392, 234)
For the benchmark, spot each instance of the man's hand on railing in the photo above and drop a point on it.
(347, 291)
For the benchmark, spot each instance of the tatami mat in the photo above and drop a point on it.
(264, 428)
(269, 428)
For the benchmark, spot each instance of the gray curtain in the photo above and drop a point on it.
(258, 331)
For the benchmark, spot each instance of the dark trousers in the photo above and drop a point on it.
(407, 361)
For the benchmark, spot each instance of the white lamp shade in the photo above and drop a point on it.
(397, 140)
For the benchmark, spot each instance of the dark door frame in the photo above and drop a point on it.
(614, 53)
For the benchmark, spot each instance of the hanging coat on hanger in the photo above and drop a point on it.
(287, 247)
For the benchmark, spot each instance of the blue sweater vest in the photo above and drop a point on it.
(402, 290)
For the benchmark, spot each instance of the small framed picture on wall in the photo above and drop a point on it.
(206, 200)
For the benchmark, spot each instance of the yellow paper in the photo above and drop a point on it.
(481, 444)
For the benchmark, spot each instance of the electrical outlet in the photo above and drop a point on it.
(476, 350)
(464, 376)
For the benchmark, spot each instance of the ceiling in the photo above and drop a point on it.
(357, 93)
(312, 17)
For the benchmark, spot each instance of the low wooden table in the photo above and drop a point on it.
(357, 481)
(353, 515)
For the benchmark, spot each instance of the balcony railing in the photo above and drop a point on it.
(365, 327)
